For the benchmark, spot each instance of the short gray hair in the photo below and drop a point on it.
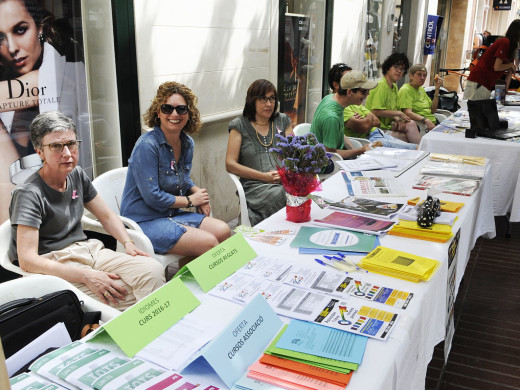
(48, 122)
(417, 67)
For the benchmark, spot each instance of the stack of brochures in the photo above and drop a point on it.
(338, 240)
(464, 171)
(457, 158)
(403, 159)
(310, 356)
(436, 232)
(448, 185)
(399, 264)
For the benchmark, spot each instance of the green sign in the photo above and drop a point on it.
(218, 263)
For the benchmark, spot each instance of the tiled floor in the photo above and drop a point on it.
(485, 353)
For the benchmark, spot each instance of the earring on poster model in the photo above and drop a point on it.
(41, 38)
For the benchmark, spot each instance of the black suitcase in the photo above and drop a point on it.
(23, 320)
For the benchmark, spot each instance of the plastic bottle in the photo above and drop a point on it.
(498, 96)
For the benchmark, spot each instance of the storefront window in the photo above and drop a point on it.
(302, 42)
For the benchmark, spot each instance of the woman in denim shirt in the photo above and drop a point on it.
(158, 183)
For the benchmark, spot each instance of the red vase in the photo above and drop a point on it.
(301, 213)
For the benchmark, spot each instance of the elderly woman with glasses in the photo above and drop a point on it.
(414, 101)
(383, 102)
(158, 185)
(251, 135)
(46, 232)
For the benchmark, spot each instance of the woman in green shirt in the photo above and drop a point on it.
(382, 101)
(414, 101)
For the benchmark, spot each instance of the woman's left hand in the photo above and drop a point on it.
(204, 209)
(133, 250)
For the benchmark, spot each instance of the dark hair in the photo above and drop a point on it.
(258, 89)
(513, 34)
(166, 90)
(336, 72)
(396, 59)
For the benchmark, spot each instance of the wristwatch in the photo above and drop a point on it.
(423, 120)
(189, 201)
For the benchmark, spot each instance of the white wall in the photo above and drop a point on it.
(348, 33)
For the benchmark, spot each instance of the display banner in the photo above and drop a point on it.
(433, 26)
(41, 69)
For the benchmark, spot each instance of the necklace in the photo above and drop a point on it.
(272, 136)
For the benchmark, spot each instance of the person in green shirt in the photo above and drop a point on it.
(414, 101)
(327, 124)
(382, 101)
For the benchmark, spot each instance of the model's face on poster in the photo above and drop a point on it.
(20, 48)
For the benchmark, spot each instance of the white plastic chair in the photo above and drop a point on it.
(36, 285)
(302, 129)
(110, 187)
(358, 142)
(244, 214)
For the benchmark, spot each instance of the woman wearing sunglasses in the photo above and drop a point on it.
(158, 186)
(382, 101)
(251, 135)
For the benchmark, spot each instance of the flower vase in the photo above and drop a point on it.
(298, 208)
(297, 186)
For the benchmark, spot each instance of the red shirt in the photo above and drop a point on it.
(484, 73)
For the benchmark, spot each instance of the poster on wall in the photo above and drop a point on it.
(502, 5)
(293, 99)
(433, 26)
(41, 69)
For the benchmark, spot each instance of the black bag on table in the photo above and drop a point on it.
(23, 320)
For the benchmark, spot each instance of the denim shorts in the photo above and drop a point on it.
(164, 233)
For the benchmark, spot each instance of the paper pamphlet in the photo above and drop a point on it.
(142, 323)
(55, 337)
(372, 184)
(337, 239)
(218, 263)
(305, 337)
(409, 213)
(315, 294)
(358, 223)
(449, 185)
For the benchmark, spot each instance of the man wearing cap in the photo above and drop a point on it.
(359, 121)
(328, 125)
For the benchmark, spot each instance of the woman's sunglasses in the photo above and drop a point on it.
(167, 109)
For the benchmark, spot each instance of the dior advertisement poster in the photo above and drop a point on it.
(41, 69)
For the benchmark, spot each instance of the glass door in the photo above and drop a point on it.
(301, 59)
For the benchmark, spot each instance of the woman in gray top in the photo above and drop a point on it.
(251, 135)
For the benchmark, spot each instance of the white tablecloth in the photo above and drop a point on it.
(401, 362)
(504, 158)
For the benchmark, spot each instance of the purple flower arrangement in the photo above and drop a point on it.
(300, 154)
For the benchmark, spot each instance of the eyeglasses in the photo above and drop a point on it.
(58, 147)
(363, 91)
(264, 99)
(399, 68)
(168, 109)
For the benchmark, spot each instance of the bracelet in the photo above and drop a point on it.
(435, 95)
(127, 241)
(189, 201)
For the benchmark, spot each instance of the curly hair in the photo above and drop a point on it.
(336, 72)
(258, 89)
(166, 90)
(396, 59)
